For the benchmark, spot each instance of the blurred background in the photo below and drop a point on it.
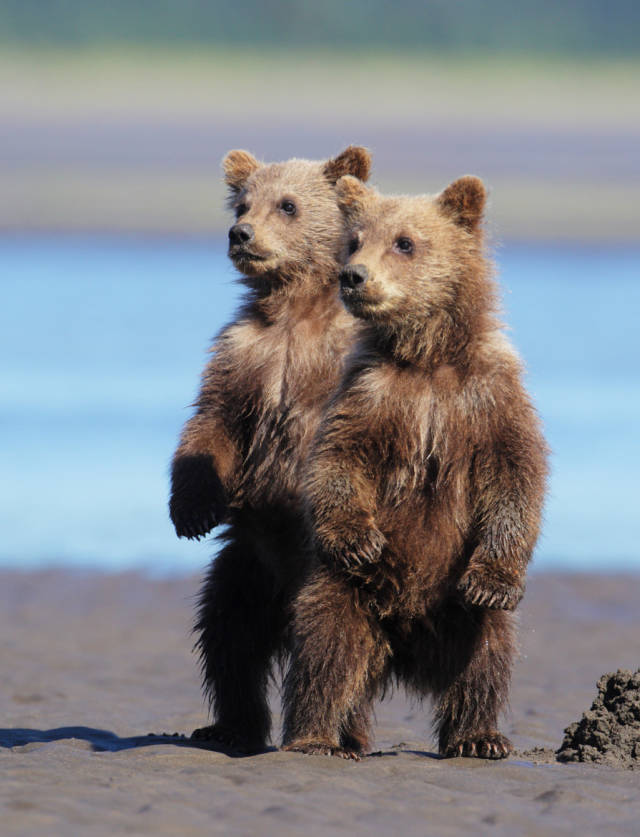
(114, 117)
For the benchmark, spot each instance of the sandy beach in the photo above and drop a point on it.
(93, 663)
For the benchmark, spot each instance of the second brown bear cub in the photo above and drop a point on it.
(425, 487)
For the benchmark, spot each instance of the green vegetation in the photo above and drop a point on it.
(569, 26)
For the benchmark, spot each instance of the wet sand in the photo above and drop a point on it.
(92, 663)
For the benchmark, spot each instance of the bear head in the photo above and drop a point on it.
(415, 267)
(288, 224)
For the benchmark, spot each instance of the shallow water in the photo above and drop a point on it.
(103, 341)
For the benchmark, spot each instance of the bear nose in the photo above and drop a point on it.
(353, 276)
(240, 234)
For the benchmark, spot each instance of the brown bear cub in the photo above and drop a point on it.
(425, 487)
(262, 395)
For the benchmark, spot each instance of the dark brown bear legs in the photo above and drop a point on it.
(355, 730)
(338, 659)
(472, 682)
(240, 629)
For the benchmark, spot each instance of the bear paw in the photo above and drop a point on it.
(360, 549)
(197, 502)
(321, 748)
(482, 589)
(492, 745)
(226, 739)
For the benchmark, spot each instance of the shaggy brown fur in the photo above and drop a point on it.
(262, 395)
(425, 487)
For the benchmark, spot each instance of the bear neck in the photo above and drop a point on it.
(296, 295)
(444, 339)
(447, 335)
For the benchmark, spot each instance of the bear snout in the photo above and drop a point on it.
(353, 276)
(241, 234)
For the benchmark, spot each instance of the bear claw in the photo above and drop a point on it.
(359, 551)
(481, 590)
(192, 528)
(490, 746)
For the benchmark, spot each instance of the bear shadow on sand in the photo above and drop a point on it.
(102, 741)
(105, 741)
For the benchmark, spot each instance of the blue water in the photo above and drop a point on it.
(103, 340)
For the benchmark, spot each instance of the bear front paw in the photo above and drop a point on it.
(482, 588)
(360, 549)
(197, 501)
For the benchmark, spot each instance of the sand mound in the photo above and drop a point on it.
(610, 731)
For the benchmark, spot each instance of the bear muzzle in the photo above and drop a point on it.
(353, 277)
(240, 234)
(242, 246)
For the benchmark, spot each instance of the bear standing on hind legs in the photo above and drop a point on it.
(262, 395)
(424, 487)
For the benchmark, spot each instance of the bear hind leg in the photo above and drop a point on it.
(338, 658)
(472, 682)
(355, 733)
(240, 629)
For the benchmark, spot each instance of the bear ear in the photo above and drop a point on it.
(351, 194)
(354, 160)
(238, 166)
(464, 201)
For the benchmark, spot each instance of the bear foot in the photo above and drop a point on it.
(226, 739)
(492, 745)
(481, 589)
(321, 748)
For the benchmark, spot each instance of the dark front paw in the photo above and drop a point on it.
(355, 551)
(197, 501)
(483, 588)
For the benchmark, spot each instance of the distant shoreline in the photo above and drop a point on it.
(131, 140)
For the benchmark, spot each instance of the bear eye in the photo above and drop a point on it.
(354, 244)
(288, 207)
(404, 245)
(241, 209)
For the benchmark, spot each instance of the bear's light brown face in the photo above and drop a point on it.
(406, 256)
(287, 221)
